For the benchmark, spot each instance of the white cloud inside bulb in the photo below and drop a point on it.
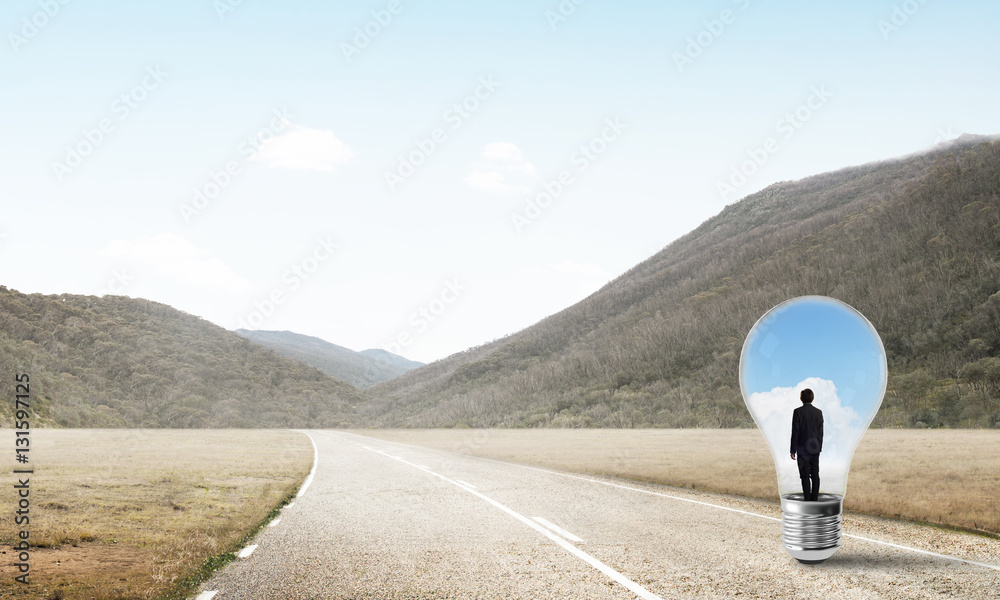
(842, 429)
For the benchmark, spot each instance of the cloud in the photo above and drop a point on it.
(304, 149)
(503, 151)
(487, 181)
(842, 429)
(176, 258)
(502, 169)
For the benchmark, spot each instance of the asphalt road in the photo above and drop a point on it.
(386, 520)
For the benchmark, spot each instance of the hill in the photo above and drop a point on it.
(391, 359)
(360, 369)
(912, 243)
(120, 362)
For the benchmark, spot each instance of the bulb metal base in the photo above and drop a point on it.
(810, 530)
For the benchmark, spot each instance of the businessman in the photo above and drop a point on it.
(807, 443)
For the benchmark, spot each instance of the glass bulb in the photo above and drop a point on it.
(829, 347)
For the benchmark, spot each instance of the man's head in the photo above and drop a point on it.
(806, 396)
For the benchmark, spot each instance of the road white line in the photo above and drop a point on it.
(850, 535)
(607, 483)
(634, 587)
(206, 595)
(569, 536)
(927, 552)
(753, 514)
(247, 551)
(289, 505)
(466, 484)
(745, 512)
(640, 490)
(312, 472)
(274, 522)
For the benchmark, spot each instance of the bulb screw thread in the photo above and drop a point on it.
(811, 530)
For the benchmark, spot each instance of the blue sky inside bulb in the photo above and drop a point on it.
(825, 345)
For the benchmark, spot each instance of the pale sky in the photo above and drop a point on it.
(362, 171)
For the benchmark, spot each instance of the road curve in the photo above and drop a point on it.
(391, 521)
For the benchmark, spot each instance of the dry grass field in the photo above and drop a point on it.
(951, 477)
(132, 513)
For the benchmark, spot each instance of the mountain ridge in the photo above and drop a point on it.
(913, 243)
(114, 361)
(360, 369)
(635, 352)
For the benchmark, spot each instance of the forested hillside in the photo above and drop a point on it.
(912, 243)
(361, 369)
(119, 362)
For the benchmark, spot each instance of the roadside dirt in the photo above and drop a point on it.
(68, 568)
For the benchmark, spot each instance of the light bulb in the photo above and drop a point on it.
(827, 346)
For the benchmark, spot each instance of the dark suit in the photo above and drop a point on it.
(807, 443)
